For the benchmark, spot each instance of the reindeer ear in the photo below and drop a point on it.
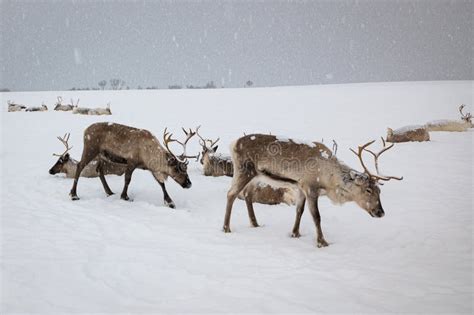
(215, 148)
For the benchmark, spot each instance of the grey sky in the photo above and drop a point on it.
(54, 45)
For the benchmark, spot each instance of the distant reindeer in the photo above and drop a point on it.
(312, 168)
(452, 125)
(60, 107)
(91, 111)
(67, 165)
(42, 108)
(137, 148)
(465, 117)
(407, 134)
(100, 111)
(79, 110)
(13, 107)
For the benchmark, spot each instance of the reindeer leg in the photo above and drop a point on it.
(100, 169)
(86, 158)
(168, 201)
(253, 219)
(313, 208)
(128, 178)
(239, 182)
(160, 179)
(299, 213)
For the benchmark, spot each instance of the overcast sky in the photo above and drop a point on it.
(54, 45)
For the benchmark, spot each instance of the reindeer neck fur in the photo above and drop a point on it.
(338, 185)
(69, 168)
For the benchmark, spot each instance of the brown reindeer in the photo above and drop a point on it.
(137, 148)
(214, 164)
(259, 190)
(408, 134)
(67, 165)
(311, 167)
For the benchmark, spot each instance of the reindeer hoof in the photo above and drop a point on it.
(255, 224)
(226, 229)
(295, 234)
(170, 204)
(126, 198)
(322, 243)
(74, 197)
(110, 194)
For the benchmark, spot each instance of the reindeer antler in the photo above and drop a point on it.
(64, 140)
(203, 141)
(77, 103)
(466, 117)
(359, 155)
(376, 160)
(334, 146)
(167, 138)
(189, 134)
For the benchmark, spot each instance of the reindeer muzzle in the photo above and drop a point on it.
(377, 213)
(187, 183)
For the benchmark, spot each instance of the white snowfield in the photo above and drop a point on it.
(105, 255)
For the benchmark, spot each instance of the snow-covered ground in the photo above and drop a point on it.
(104, 255)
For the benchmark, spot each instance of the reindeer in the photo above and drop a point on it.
(214, 164)
(136, 148)
(43, 108)
(100, 111)
(66, 164)
(79, 110)
(13, 107)
(452, 125)
(61, 107)
(257, 191)
(312, 168)
(408, 133)
(467, 118)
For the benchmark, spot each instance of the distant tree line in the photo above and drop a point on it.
(119, 84)
(209, 85)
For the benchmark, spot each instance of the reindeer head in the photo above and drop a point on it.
(58, 103)
(64, 158)
(364, 187)
(208, 146)
(107, 109)
(178, 165)
(465, 117)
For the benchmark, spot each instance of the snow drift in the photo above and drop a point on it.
(105, 255)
